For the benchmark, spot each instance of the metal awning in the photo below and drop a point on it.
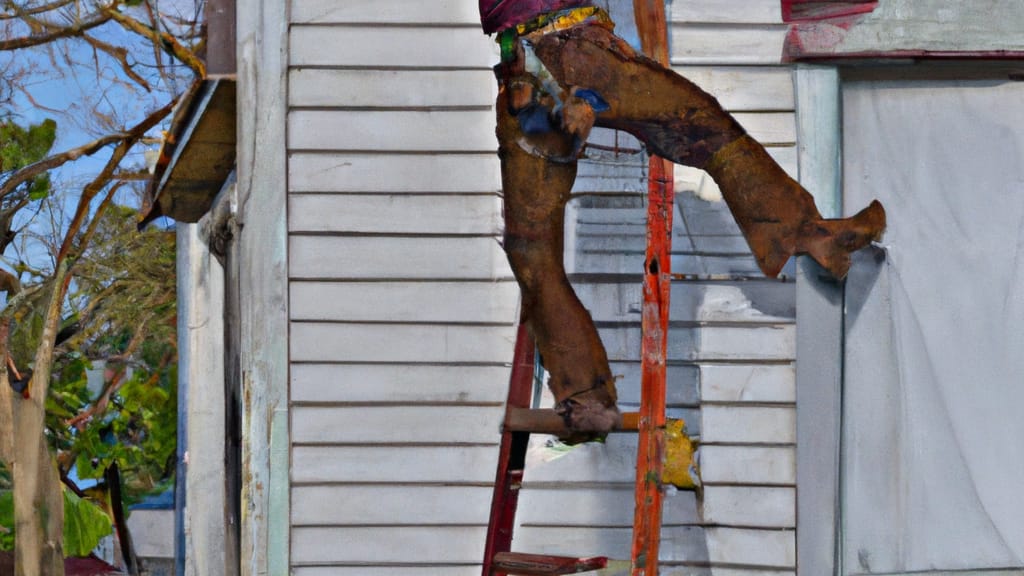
(198, 153)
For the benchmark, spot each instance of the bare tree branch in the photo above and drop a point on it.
(36, 168)
(133, 176)
(13, 11)
(56, 32)
(166, 41)
(120, 54)
(104, 177)
(97, 217)
(157, 54)
(135, 134)
(36, 103)
(9, 283)
(115, 383)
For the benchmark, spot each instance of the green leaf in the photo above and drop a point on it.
(84, 463)
(39, 188)
(20, 147)
(85, 524)
(6, 520)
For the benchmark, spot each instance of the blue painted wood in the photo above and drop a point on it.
(819, 337)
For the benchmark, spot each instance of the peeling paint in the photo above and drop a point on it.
(906, 28)
(681, 468)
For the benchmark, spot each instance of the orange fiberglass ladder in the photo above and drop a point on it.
(649, 422)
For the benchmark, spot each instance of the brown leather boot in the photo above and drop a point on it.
(679, 121)
(538, 171)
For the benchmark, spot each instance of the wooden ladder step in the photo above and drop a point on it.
(540, 565)
(547, 421)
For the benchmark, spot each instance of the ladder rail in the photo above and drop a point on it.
(511, 456)
(653, 30)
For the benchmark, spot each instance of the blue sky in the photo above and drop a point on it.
(89, 95)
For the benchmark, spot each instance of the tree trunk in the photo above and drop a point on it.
(38, 495)
(6, 402)
(38, 499)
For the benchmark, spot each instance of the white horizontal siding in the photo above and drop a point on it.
(678, 543)
(748, 424)
(744, 88)
(728, 11)
(785, 156)
(752, 465)
(394, 131)
(704, 264)
(748, 413)
(391, 343)
(370, 88)
(613, 461)
(692, 302)
(708, 343)
(366, 570)
(354, 257)
(395, 424)
(390, 12)
(345, 172)
(684, 388)
(588, 506)
(401, 300)
(453, 130)
(751, 572)
(772, 548)
(359, 546)
(396, 214)
(391, 464)
(773, 507)
(441, 302)
(718, 44)
(388, 505)
(724, 264)
(392, 46)
(769, 128)
(723, 383)
(398, 383)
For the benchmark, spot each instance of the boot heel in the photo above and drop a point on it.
(830, 242)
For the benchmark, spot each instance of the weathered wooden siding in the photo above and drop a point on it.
(748, 412)
(401, 302)
(402, 306)
(731, 345)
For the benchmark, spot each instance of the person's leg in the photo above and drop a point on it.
(537, 173)
(679, 121)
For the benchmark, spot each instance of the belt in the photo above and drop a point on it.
(550, 22)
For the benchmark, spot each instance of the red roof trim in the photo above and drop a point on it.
(915, 55)
(818, 28)
(817, 10)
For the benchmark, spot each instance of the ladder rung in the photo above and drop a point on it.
(540, 565)
(546, 421)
